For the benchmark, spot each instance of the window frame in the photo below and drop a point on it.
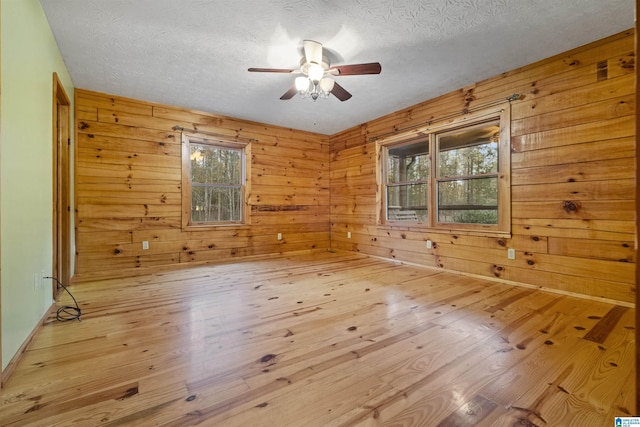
(428, 134)
(385, 174)
(189, 139)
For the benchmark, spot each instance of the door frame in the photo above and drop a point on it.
(61, 262)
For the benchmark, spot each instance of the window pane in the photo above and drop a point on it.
(407, 202)
(408, 163)
(470, 151)
(215, 165)
(473, 201)
(215, 204)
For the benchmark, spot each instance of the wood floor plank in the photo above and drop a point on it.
(471, 413)
(604, 327)
(324, 339)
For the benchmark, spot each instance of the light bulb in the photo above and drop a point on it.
(315, 73)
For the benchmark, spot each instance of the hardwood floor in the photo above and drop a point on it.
(325, 339)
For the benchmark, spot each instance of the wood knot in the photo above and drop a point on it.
(570, 206)
(497, 270)
(629, 65)
(267, 358)
(83, 126)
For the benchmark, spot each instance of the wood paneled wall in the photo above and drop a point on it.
(128, 189)
(573, 188)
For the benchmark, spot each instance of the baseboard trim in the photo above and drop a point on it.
(13, 363)
(80, 278)
(509, 282)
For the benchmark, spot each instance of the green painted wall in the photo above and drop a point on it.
(30, 55)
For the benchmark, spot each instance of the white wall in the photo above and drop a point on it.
(30, 55)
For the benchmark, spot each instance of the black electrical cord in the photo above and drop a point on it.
(67, 312)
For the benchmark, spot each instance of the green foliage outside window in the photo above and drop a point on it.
(467, 183)
(407, 175)
(216, 183)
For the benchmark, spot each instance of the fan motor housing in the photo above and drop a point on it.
(304, 65)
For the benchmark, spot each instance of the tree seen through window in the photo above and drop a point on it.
(216, 183)
(453, 174)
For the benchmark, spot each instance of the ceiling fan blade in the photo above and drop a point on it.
(312, 51)
(271, 70)
(357, 69)
(290, 93)
(340, 92)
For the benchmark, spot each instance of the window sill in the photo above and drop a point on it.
(206, 227)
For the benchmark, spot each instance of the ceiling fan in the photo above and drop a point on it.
(316, 74)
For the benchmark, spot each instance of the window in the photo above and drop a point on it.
(453, 175)
(213, 179)
(407, 182)
(467, 179)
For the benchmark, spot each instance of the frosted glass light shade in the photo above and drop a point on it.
(315, 73)
(326, 85)
(302, 84)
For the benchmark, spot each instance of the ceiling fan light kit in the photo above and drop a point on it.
(316, 74)
(313, 88)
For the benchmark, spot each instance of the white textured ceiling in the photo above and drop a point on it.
(195, 53)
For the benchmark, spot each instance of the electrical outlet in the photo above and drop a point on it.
(511, 253)
(348, 234)
(429, 244)
(279, 236)
(145, 245)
